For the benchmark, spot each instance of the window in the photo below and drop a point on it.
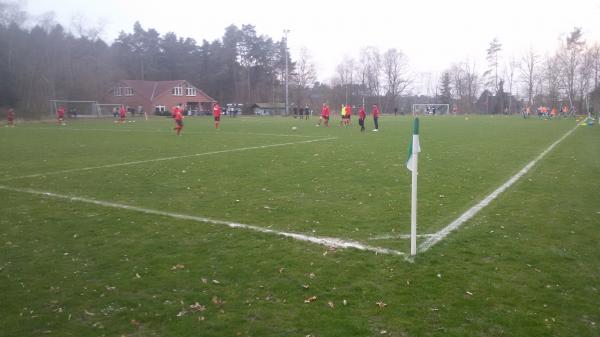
(160, 108)
(177, 91)
(190, 91)
(123, 91)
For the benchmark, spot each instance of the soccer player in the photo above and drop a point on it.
(375, 112)
(217, 114)
(178, 121)
(10, 117)
(343, 115)
(324, 115)
(361, 118)
(122, 113)
(60, 115)
(348, 114)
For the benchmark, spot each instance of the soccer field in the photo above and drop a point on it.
(127, 229)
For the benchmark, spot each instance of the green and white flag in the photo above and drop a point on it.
(414, 147)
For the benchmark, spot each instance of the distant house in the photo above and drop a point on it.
(266, 109)
(159, 96)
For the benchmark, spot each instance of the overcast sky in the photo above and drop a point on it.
(432, 33)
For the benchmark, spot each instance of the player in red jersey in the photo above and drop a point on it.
(60, 115)
(217, 114)
(361, 117)
(10, 117)
(122, 113)
(324, 115)
(178, 121)
(375, 112)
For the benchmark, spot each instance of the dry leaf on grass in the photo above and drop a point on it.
(177, 266)
(217, 300)
(310, 299)
(197, 307)
(381, 304)
(331, 305)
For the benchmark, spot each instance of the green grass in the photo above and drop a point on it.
(527, 265)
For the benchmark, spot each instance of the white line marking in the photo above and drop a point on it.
(325, 241)
(440, 235)
(164, 158)
(210, 133)
(397, 236)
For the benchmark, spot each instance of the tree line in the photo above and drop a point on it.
(43, 61)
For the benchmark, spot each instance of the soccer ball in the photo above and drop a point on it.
(294, 128)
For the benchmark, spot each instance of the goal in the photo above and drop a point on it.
(75, 109)
(108, 110)
(430, 109)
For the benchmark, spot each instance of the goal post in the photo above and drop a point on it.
(75, 109)
(430, 109)
(107, 110)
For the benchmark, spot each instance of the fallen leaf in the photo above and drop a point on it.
(217, 300)
(331, 305)
(381, 304)
(216, 282)
(137, 275)
(205, 281)
(311, 275)
(177, 266)
(469, 293)
(310, 299)
(181, 313)
(305, 286)
(197, 307)
(135, 322)
(201, 318)
(345, 302)
(88, 313)
(281, 270)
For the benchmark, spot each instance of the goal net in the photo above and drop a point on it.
(75, 109)
(108, 110)
(431, 109)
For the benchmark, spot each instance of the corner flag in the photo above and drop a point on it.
(412, 164)
(414, 147)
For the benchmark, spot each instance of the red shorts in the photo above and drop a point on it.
(217, 118)
(179, 122)
(325, 117)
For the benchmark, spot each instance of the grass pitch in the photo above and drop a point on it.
(525, 265)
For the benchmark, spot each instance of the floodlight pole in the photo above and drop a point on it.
(286, 31)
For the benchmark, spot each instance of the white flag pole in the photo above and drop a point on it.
(413, 206)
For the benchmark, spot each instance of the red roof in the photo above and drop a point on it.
(153, 89)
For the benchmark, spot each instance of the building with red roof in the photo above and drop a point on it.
(159, 96)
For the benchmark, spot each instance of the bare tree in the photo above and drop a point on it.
(345, 75)
(569, 56)
(551, 78)
(595, 55)
(509, 74)
(466, 85)
(306, 73)
(528, 70)
(395, 70)
(584, 76)
(371, 62)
